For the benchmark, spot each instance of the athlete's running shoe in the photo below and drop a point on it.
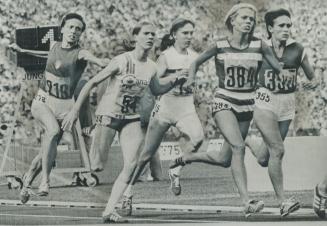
(177, 162)
(253, 206)
(174, 183)
(113, 217)
(289, 206)
(126, 207)
(319, 203)
(43, 189)
(25, 194)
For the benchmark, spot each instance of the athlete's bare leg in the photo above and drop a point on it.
(155, 133)
(101, 142)
(191, 128)
(273, 133)
(258, 147)
(34, 170)
(223, 157)
(50, 124)
(234, 133)
(322, 186)
(131, 138)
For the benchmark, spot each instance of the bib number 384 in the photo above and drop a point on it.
(240, 77)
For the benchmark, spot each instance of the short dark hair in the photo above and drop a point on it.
(72, 16)
(137, 28)
(179, 23)
(271, 15)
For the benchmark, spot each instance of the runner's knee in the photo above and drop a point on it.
(238, 148)
(263, 161)
(276, 150)
(53, 131)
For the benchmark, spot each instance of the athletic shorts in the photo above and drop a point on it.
(113, 123)
(59, 107)
(180, 112)
(281, 104)
(172, 109)
(242, 108)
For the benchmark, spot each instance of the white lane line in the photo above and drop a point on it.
(151, 206)
(100, 218)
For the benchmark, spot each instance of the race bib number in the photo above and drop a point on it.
(239, 77)
(263, 96)
(284, 81)
(58, 87)
(220, 105)
(40, 98)
(181, 89)
(129, 104)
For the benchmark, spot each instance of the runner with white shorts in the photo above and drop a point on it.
(275, 101)
(175, 108)
(119, 110)
(65, 66)
(238, 59)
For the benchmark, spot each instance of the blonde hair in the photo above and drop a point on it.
(233, 12)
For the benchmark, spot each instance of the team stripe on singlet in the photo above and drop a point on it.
(130, 66)
(225, 44)
(235, 101)
(171, 70)
(240, 56)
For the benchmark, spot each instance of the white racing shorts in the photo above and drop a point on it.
(59, 107)
(180, 112)
(282, 105)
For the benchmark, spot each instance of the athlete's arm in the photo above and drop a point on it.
(37, 53)
(307, 68)
(87, 56)
(161, 66)
(203, 57)
(269, 56)
(70, 118)
(161, 86)
(309, 73)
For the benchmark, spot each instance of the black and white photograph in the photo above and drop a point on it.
(163, 112)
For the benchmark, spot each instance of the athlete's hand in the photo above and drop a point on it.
(69, 120)
(310, 85)
(189, 85)
(178, 79)
(104, 62)
(88, 130)
(15, 47)
(183, 73)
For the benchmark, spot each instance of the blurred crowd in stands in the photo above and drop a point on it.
(109, 23)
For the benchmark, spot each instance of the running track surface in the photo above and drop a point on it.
(207, 186)
(36, 214)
